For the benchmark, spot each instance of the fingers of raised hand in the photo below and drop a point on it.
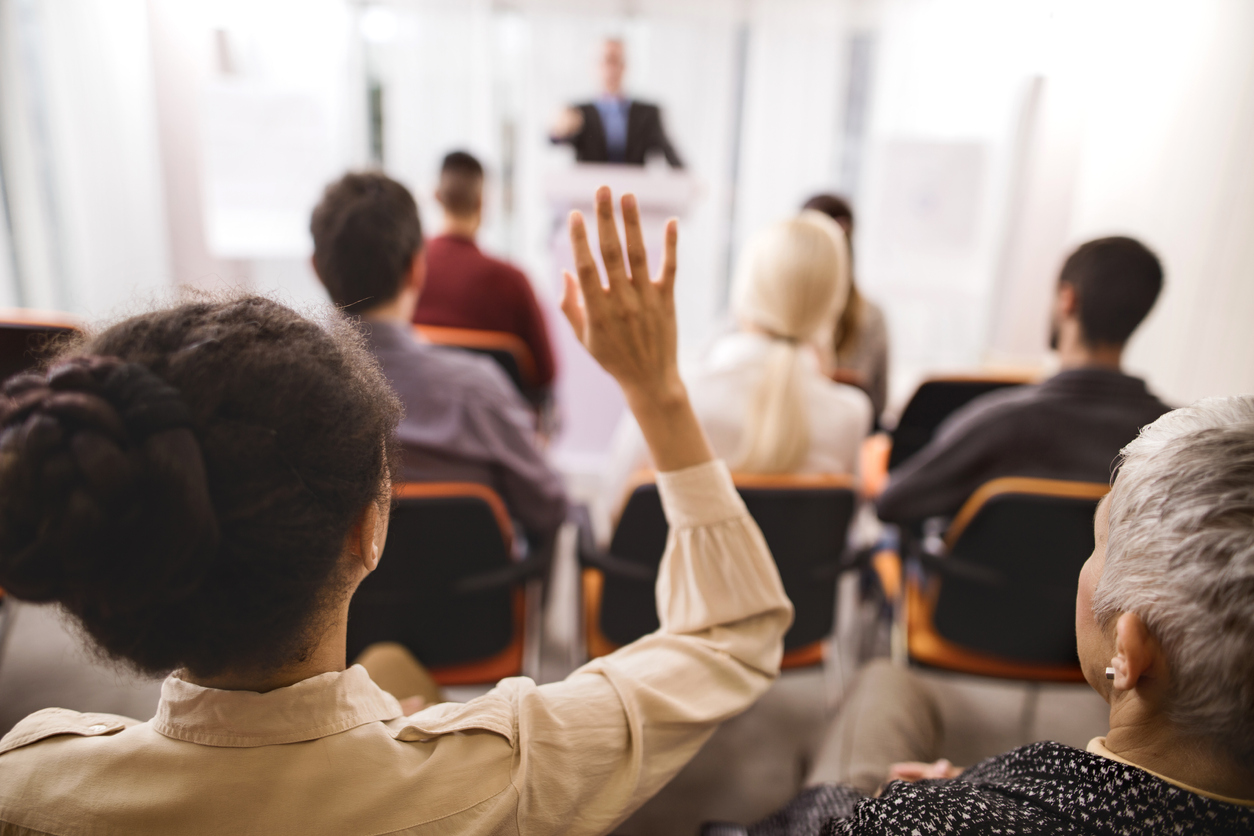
(607, 233)
(585, 264)
(666, 278)
(572, 306)
(637, 254)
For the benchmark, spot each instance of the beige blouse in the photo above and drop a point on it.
(333, 754)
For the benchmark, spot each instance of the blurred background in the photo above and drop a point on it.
(150, 144)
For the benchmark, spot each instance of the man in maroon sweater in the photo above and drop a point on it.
(466, 288)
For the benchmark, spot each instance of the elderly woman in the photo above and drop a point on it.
(1165, 628)
(204, 487)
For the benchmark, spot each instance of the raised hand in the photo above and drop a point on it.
(568, 123)
(628, 326)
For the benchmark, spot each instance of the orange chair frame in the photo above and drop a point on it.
(593, 580)
(487, 340)
(34, 318)
(509, 661)
(924, 644)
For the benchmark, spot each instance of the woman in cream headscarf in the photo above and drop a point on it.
(758, 390)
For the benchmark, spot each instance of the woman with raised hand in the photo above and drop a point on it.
(204, 487)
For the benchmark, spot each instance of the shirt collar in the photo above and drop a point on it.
(739, 347)
(1110, 380)
(316, 707)
(389, 334)
(457, 238)
(1097, 746)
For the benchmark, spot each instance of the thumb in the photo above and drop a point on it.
(572, 306)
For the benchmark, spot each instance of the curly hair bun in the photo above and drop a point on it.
(105, 494)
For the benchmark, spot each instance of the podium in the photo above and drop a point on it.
(589, 400)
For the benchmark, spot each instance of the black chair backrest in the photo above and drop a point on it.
(23, 346)
(506, 360)
(1035, 545)
(806, 530)
(434, 543)
(932, 403)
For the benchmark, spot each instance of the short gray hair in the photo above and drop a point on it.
(1180, 554)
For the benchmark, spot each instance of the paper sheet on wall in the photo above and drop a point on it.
(931, 194)
(266, 156)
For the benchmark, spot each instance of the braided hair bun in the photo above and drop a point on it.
(105, 490)
(183, 485)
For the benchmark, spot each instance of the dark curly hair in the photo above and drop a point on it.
(182, 483)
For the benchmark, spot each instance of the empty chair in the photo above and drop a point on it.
(448, 588)
(805, 520)
(1000, 599)
(935, 400)
(26, 337)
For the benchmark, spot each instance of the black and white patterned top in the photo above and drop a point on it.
(1044, 788)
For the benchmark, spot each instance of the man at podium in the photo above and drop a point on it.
(614, 128)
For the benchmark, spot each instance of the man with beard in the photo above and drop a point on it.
(1069, 427)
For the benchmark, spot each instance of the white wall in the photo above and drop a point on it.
(287, 51)
(1144, 129)
(1082, 117)
(80, 153)
(1167, 157)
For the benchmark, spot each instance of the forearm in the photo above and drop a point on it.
(646, 709)
(669, 426)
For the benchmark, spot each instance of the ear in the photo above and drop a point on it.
(368, 536)
(1138, 655)
(417, 272)
(1068, 302)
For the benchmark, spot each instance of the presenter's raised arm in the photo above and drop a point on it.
(628, 326)
(567, 125)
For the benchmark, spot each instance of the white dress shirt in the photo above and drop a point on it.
(721, 387)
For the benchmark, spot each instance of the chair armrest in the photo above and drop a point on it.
(928, 551)
(961, 569)
(535, 564)
(848, 561)
(591, 555)
(509, 576)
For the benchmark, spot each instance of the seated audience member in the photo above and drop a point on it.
(466, 288)
(860, 341)
(464, 421)
(203, 488)
(1165, 628)
(758, 391)
(1069, 427)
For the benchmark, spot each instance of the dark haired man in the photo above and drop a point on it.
(1069, 427)
(466, 288)
(464, 421)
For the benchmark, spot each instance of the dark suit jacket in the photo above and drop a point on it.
(644, 135)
